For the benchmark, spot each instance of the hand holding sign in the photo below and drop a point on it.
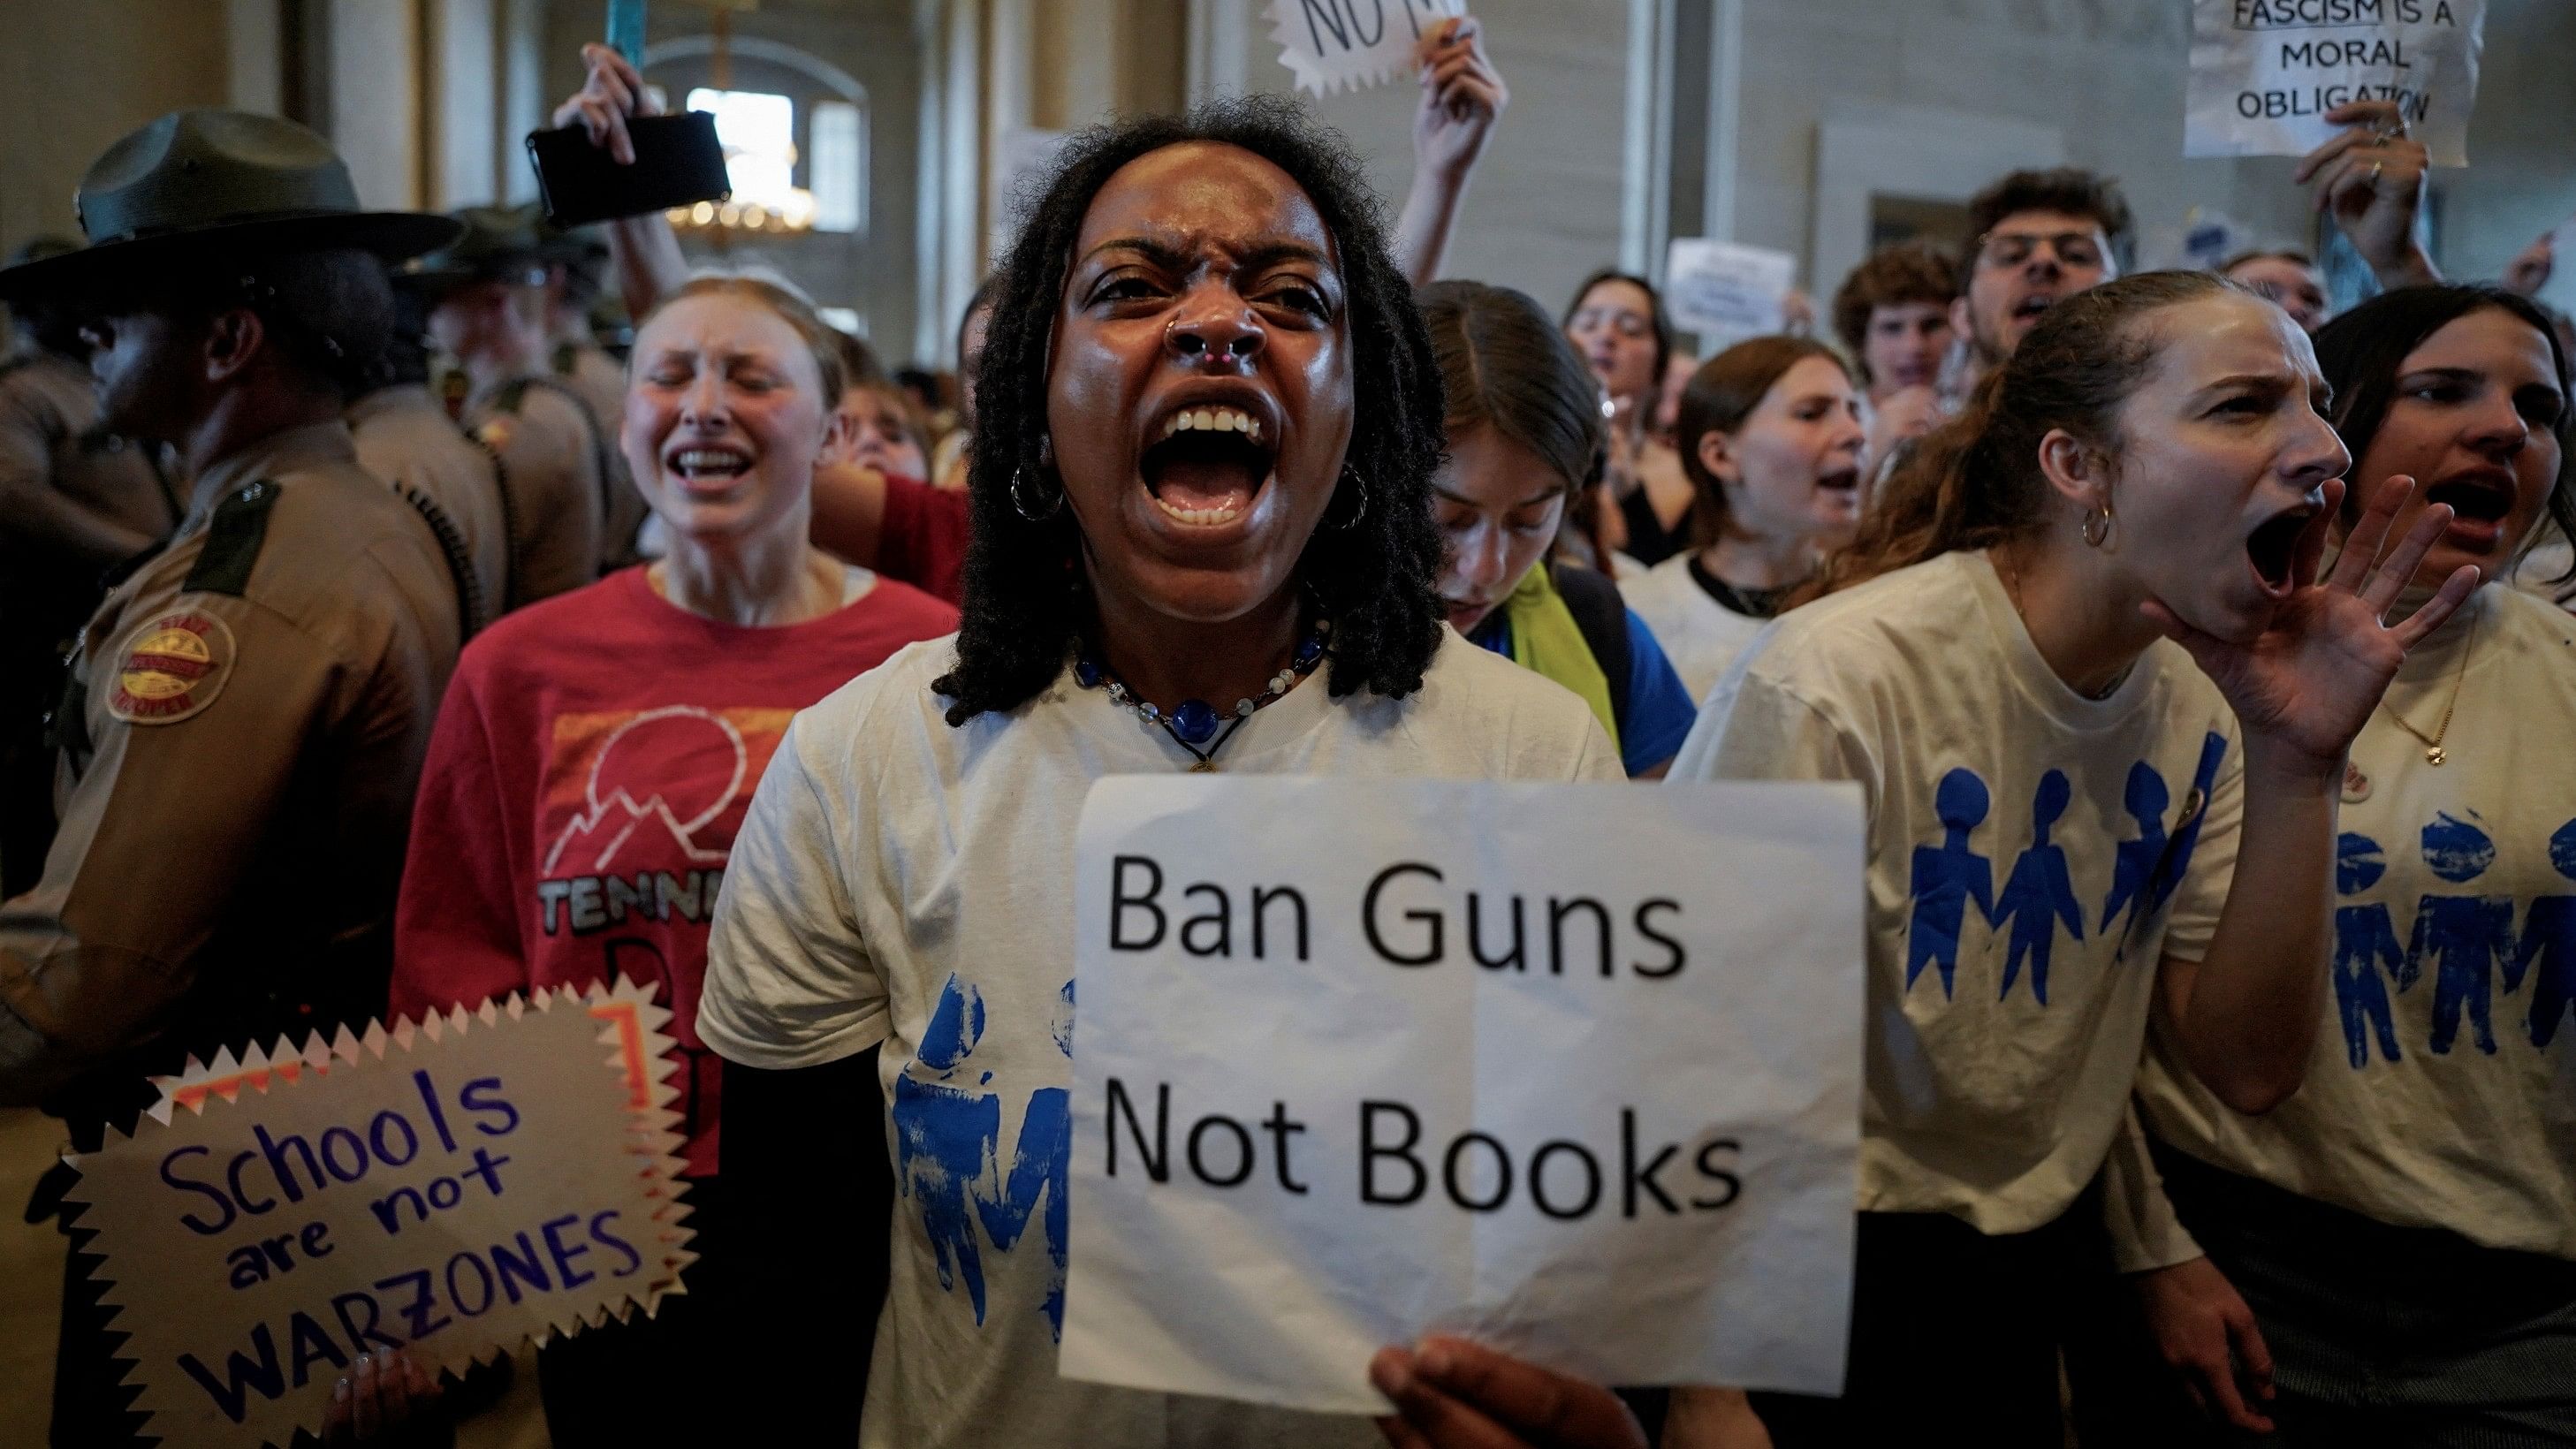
(2371, 177)
(1330, 44)
(1452, 1394)
(1462, 96)
(386, 1402)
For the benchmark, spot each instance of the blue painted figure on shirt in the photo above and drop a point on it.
(2365, 936)
(2467, 936)
(2038, 894)
(2204, 784)
(1946, 877)
(2133, 862)
(947, 1149)
(2549, 937)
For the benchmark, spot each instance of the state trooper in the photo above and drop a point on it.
(407, 438)
(486, 301)
(244, 724)
(75, 502)
(576, 265)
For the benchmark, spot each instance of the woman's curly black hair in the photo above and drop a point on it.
(1373, 575)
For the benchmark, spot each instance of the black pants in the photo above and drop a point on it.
(2380, 1335)
(1954, 1337)
(668, 1379)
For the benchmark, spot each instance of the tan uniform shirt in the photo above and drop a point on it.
(242, 739)
(73, 501)
(602, 384)
(551, 461)
(407, 439)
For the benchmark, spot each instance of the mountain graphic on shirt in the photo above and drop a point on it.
(652, 789)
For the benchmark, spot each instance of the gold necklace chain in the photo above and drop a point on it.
(2434, 754)
(2010, 573)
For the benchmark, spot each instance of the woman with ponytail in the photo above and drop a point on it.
(2098, 700)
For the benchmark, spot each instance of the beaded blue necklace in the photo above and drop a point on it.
(1194, 724)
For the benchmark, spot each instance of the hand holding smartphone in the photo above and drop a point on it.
(610, 156)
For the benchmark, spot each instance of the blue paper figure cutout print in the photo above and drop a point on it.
(2186, 839)
(2467, 935)
(948, 1150)
(2365, 936)
(2133, 862)
(2038, 894)
(1946, 877)
(2549, 938)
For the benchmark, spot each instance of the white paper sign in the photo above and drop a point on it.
(1726, 292)
(1330, 44)
(1310, 1121)
(455, 1188)
(2265, 72)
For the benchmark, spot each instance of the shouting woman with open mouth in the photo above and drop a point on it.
(2075, 824)
(1207, 421)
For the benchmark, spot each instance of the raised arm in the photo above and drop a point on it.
(643, 249)
(1462, 95)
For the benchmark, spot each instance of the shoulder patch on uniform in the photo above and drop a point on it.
(171, 667)
(233, 540)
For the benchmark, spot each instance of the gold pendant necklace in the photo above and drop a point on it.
(2434, 754)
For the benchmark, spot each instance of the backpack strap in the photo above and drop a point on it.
(1603, 617)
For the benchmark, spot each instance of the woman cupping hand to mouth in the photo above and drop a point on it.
(2075, 832)
(1207, 421)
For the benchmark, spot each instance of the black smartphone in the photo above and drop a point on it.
(677, 161)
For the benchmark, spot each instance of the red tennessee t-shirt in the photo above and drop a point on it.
(593, 758)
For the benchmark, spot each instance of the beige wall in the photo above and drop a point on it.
(79, 74)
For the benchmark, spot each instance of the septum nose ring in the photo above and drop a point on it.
(1191, 344)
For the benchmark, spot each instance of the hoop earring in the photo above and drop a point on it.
(2097, 524)
(1358, 512)
(1020, 504)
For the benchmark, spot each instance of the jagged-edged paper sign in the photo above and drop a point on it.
(457, 1187)
(1330, 44)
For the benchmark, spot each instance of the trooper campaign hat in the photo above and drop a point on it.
(205, 182)
(493, 244)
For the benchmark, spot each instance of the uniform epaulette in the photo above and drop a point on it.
(234, 537)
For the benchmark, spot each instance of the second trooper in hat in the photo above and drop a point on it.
(486, 300)
(247, 712)
(406, 437)
(577, 262)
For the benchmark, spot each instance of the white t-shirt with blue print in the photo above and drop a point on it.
(901, 881)
(2443, 1088)
(2033, 855)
